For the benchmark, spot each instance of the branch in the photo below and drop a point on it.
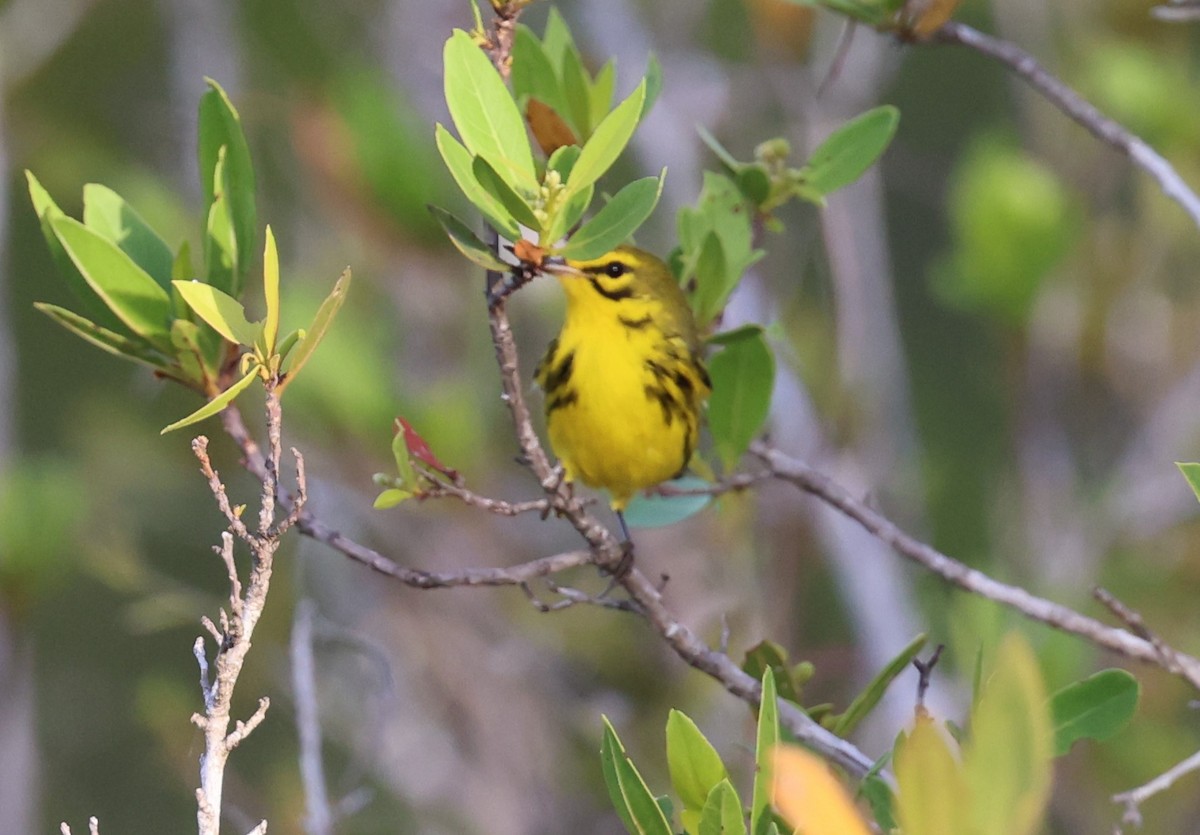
(1133, 798)
(246, 604)
(1036, 608)
(1078, 109)
(318, 819)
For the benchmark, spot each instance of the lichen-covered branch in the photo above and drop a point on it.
(233, 631)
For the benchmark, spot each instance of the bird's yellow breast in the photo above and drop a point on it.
(623, 397)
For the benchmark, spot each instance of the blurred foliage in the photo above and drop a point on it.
(1040, 284)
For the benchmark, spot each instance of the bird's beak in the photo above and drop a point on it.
(555, 265)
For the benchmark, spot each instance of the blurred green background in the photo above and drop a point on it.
(994, 335)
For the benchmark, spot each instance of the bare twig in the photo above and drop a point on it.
(925, 671)
(318, 814)
(1133, 798)
(1077, 108)
(1036, 608)
(246, 603)
(1177, 11)
(438, 488)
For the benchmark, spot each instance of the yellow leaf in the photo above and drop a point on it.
(1007, 761)
(933, 797)
(809, 797)
(271, 292)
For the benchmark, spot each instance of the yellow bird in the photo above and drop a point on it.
(624, 382)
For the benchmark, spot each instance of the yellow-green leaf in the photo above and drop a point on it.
(216, 405)
(127, 289)
(484, 112)
(767, 739)
(270, 325)
(607, 142)
(221, 311)
(933, 793)
(694, 764)
(1007, 760)
(316, 332)
(102, 337)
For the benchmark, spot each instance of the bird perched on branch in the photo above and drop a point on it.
(624, 382)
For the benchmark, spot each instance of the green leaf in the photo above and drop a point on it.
(865, 702)
(722, 812)
(714, 280)
(47, 210)
(391, 498)
(221, 311)
(101, 337)
(484, 112)
(216, 405)
(459, 161)
(654, 82)
(607, 142)
(556, 39)
(879, 798)
(126, 288)
(567, 216)
(220, 127)
(630, 796)
(754, 182)
(563, 160)
(1095, 708)
(577, 92)
(221, 263)
(106, 212)
(601, 92)
(495, 185)
(187, 338)
(402, 457)
(789, 680)
(533, 75)
(656, 511)
(721, 211)
(852, 149)
(270, 325)
(465, 241)
(743, 375)
(1191, 472)
(617, 220)
(766, 739)
(695, 766)
(317, 330)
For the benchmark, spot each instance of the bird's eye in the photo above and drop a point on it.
(615, 269)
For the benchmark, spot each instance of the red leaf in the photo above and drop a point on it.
(419, 449)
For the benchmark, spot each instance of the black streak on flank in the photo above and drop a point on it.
(666, 401)
(684, 383)
(562, 401)
(560, 376)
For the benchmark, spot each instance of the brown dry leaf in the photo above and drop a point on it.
(549, 129)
